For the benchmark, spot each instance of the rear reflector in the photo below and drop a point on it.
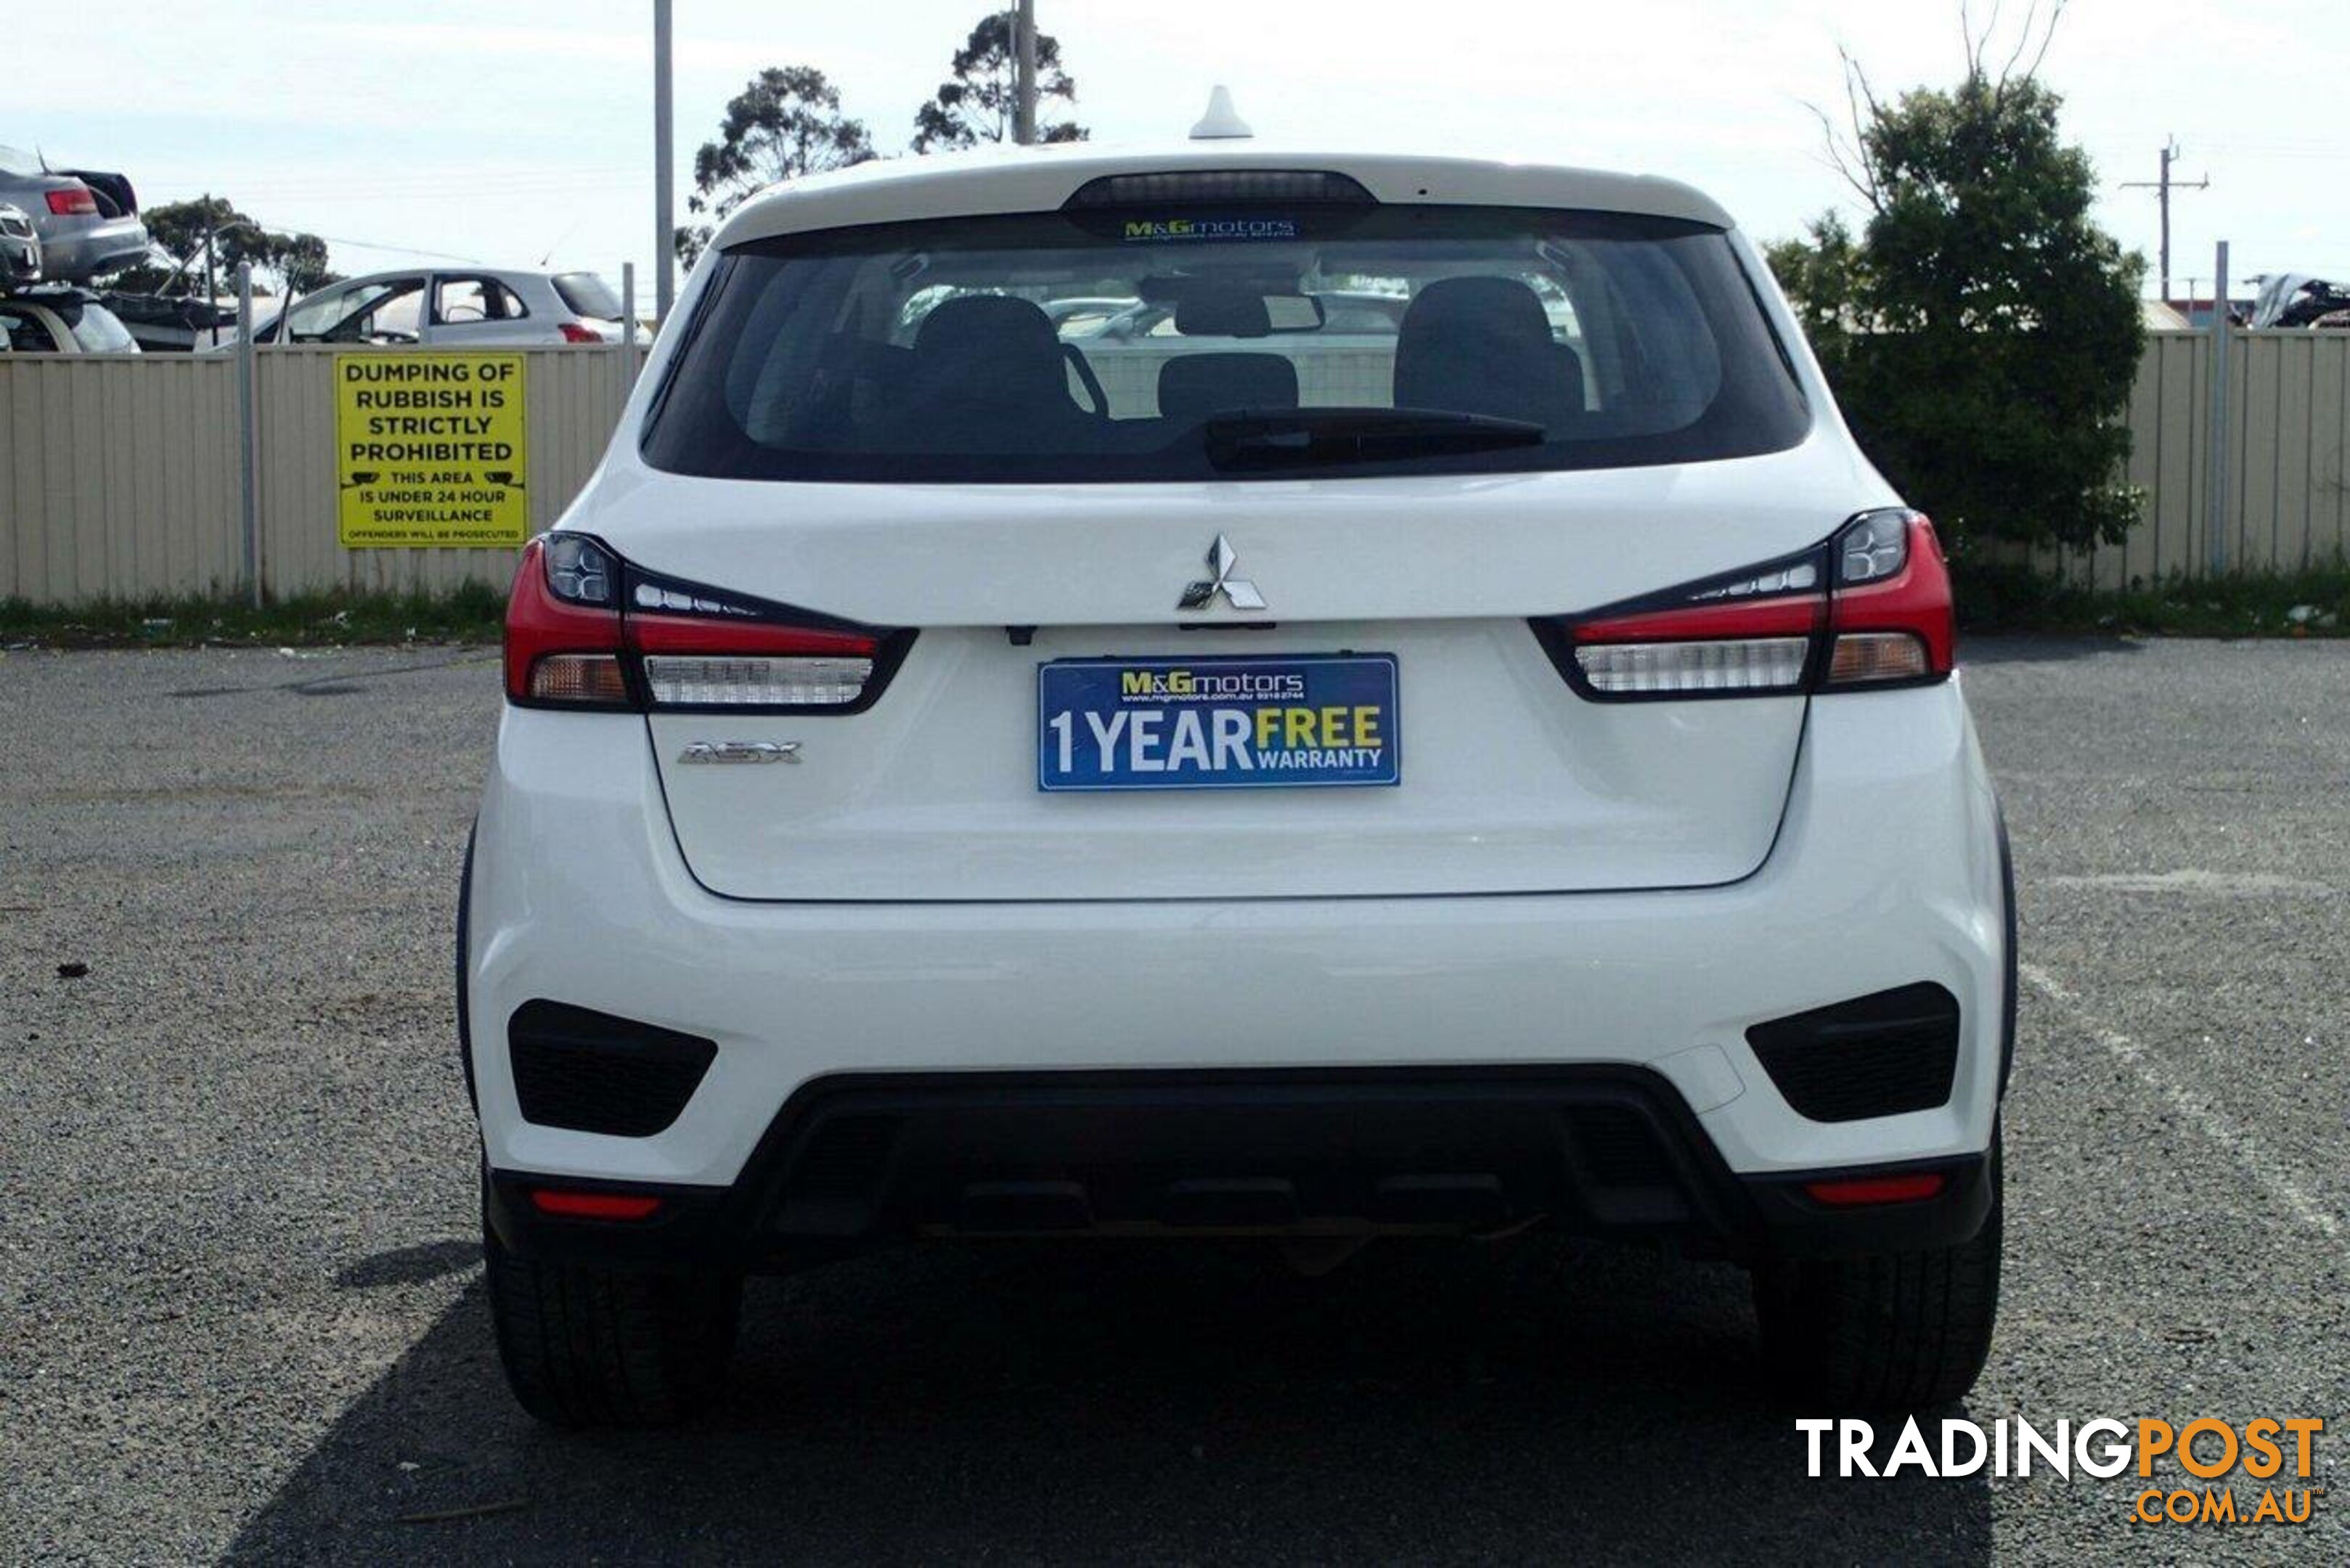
(1861, 1191)
(682, 681)
(571, 1205)
(1750, 664)
(590, 678)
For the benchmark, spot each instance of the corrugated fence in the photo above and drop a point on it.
(118, 476)
(2288, 504)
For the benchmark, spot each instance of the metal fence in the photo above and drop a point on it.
(2287, 489)
(120, 476)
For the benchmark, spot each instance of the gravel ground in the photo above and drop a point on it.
(241, 1310)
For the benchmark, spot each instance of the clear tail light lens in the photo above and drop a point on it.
(1747, 664)
(692, 681)
(1873, 547)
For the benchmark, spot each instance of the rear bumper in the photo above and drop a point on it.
(1887, 874)
(1602, 1151)
(76, 255)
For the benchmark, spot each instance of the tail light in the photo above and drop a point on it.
(1868, 606)
(573, 332)
(1892, 616)
(75, 202)
(585, 629)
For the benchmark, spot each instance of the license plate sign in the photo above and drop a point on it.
(1283, 722)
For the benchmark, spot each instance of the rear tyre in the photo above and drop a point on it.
(1895, 1331)
(609, 1348)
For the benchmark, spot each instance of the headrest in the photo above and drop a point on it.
(1487, 308)
(986, 323)
(1197, 385)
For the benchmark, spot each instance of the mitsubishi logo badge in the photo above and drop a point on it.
(1239, 592)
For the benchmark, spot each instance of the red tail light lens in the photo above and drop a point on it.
(573, 332)
(1870, 606)
(75, 202)
(585, 629)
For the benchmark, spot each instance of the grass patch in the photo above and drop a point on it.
(2297, 603)
(471, 613)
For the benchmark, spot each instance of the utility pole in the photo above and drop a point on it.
(2162, 186)
(664, 171)
(1024, 54)
(211, 243)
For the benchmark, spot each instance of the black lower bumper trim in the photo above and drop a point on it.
(861, 1160)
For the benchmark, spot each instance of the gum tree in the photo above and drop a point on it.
(786, 122)
(979, 102)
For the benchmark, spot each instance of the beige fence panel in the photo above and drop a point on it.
(2288, 492)
(118, 476)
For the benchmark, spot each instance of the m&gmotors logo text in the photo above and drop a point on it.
(1212, 229)
(2204, 1449)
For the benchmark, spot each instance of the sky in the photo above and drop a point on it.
(519, 132)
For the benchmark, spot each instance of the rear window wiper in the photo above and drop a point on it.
(1281, 438)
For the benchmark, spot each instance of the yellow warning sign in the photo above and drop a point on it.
(429, 451)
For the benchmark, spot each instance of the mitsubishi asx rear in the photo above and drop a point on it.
(1225, 691)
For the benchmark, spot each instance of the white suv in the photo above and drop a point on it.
(1505, 772)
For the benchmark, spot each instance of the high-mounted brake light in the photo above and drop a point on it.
(76, 202)
(1870, 606)
(585, 629)
(1221, 187)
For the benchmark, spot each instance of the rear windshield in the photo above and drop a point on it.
(1112, 346)
(98, 329)
(588, 296)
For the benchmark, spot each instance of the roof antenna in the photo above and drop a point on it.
(1222, 122)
